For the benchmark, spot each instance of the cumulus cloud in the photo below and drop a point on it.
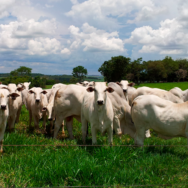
(104, 13)
(65, 51)
(94, 39)
(170, 38)
(4, 7)
(43, 46)
(14, 34)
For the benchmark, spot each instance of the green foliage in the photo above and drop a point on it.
(50, 82)
(74, 80)
(115, 69)
(120, 68)
(79, 72)
(22, 71)
(38, 82)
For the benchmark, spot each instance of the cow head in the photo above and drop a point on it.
(100, 89)
(4, 96)
(38, 94)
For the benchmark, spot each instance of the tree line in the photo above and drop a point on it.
(166, 70)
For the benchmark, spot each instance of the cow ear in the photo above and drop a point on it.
(131, 84)
(90, 89)
(109, 89)
(31, 91)
(44, 92)
(118, 83)
(20, 88)
(14, 95)
(5, 88)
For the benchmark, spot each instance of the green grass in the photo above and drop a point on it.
(47, 166)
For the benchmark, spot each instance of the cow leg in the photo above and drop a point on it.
(139, 136)
(30, 119)
(2, 132)
(117, 127)
(51, 125)
(69, 122)
(1, 143)
(63, 130)
(84, 129)
(110, 135)
(58, 124)
(44, 121)
(94, 134)
(11, 122)
(36, 121)
(148, 135)
(18, 115)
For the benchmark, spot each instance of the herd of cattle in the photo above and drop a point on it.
(108, 107)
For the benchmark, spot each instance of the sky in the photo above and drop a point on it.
(54, 36)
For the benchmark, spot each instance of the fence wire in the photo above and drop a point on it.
(120, 186)
(63, 145)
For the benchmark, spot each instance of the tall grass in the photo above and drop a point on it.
(46, 166)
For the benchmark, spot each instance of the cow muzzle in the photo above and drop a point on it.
(100, 102)
(3, 107)
(37, 100)
(44, 109)
(125, 90)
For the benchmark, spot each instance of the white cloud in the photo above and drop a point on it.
(94, 39)
(65, 51)
(4, 6)
(105, 13)
(148, 13)
(170, 38)
(14, 34)
(43, 46)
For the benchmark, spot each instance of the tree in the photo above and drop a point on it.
(14, 73)
(24, 71)
(79, 72)
(136, 69)
(155, 70)
(130, 76)
(73, 80)
(170, 67)
(181, 74)
(115, 69)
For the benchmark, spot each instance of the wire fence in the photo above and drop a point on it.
(64, 145)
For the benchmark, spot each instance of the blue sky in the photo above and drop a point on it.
(53, 36)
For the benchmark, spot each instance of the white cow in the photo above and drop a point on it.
(125, 85)
(179, 93)
(166, 118)
(25, 84)
(155, 91)
(84, 83)
(4, 112)
(15, 105)
(24, 92)
(50, 107)
(67, 105)
(97, 109)
(55, 86)
(121, 110)
(37, 105)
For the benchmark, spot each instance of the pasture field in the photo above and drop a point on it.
(120, 166)
(166, 86)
